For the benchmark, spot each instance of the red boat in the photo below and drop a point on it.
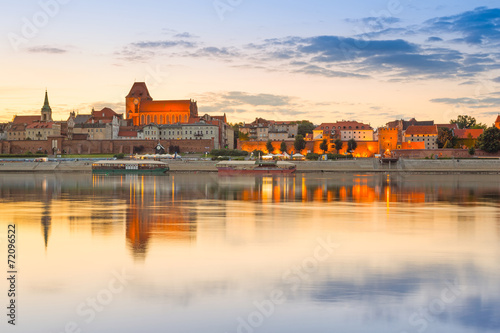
(255, 167)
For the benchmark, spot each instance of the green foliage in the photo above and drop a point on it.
(243, 136)
(445, 135)
(283, 147)
(472, 151)
(489, 141)
(480, 126)
(228, 152)
(299, 143)
(305, 127)
(464, 121)
(257, 153)
(312, 156)
(448, 144)
(352, 145)
(269, 146)
(338, 145)
(324, 145)
(119, 156)
(339, 157)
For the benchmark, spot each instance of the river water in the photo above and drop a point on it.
(202, 253)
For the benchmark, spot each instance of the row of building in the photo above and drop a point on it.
(146, 119)
(396, 135)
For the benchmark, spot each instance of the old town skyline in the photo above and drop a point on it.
(318, 62)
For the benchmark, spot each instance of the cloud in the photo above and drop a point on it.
(478, 26)
(497, 79)
(434, 39)
(211, 51)
(488, 101)
(316, 70)
(256, 99)
(46, 49)
(163, 44)
(185, 35)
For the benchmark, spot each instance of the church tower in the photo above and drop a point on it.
(134, 99)
(46, 110)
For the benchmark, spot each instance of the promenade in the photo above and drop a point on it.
(350, 166)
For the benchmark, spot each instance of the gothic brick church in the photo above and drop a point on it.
(141, 108)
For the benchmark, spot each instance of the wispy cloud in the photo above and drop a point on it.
(164, 44)
(46, 49)
(487, 101)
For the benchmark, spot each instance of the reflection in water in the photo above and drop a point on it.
(209, 247)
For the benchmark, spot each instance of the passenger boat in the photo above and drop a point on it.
(132, 167)
(255, 167)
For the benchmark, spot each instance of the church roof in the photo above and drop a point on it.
(163, 106)
(26, 119)
(139, 89)
(46, 106)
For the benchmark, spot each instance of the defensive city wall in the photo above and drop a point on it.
(101, 146)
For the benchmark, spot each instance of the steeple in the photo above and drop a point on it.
(46, 110)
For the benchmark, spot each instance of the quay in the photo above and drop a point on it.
(369, 165)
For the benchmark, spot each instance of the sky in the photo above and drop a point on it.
(366, 60)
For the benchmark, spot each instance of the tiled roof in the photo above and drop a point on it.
(464, 133)
(26, 119)
(17, 128)
(163, 106)
(139, 89)
(105, 113)
(41, 125)
(422, 130)
(82, 118)
(498, 119)
(450, 126)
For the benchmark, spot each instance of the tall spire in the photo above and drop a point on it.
(46, 110)
(46, 106)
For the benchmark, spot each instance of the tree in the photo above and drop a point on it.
(324, 146)
(464, 121)
(445, 135)
(305, 127)
(283, 147)
(448, 144)
(243, 136)
(480, 126)
(258, 153)
(269, 146)
(489, 141)
(338, 145)
(352, 145)
(472, 151)
(299, 143)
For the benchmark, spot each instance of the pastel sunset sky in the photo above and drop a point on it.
(372, 61)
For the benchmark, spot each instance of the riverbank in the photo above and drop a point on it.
(348, 166)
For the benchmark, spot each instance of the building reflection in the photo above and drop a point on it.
(144, 223)
(166, 207)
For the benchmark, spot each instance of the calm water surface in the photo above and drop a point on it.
(307, 253)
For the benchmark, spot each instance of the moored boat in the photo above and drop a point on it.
(129, 167)
(255, 167)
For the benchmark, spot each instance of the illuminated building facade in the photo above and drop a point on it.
(143, 110)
